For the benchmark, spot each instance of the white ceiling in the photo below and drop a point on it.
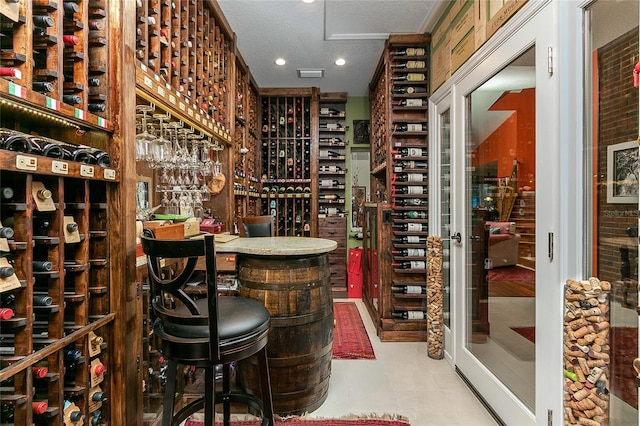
(313, 36)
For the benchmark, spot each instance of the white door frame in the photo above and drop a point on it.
(558, 179)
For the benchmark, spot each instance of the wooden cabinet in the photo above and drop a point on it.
(335, 228)
(398, 108)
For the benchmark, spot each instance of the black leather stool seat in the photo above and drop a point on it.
(241, 320)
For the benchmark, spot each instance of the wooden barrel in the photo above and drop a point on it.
(297, 294)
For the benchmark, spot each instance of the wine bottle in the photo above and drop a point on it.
(329, 197)
(329, 183)
(72, 356)
(96, 107)
(411, 102)
(43, 86)
(42, 266)
(39, 372)
(411, 227)
(408, 65)
(411, 177)
(410, 264)
(47, 148)
(408, 90)
(39, 407)
(6, 313)
(10, 72)
(8, 300)
(44, 194)
(400, 165)
(42, 300)
(93, 81)
(415, 202)
(332, 169)
(70, 40)
(331, 111)
(6, 271)
(15, 142)
(410, 239)
(410, 127)
(409, 315)
(71, 99)
(6, 232)
(44, 21)
(72, 227)
(410, 252)
(6, 193)
(70, 8)
(409, 289)
(412, 76)
(412, 214)
(97, 396)
(98, 368)
(410, 190)
(409, 51)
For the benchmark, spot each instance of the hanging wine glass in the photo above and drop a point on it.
(161, 145)
(217, 165)
(143, 139)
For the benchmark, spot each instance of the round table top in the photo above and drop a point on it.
(277, 246)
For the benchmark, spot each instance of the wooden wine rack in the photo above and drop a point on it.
(288, 159)
(78, 284)
(185, 43)
(60, 49)
(399, 118)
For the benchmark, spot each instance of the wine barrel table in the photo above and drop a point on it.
(291, 277)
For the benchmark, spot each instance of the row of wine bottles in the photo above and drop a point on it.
(13, 140)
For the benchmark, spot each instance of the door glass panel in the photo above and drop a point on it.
(445, 209)
(500, 217)
(611, 188)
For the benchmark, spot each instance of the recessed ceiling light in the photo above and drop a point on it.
(308, 1)
(340, 62)
(280, 61)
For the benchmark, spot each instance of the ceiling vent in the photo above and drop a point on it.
(310, 72)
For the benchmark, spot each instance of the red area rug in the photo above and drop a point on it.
(512, 273)
(624, 346)
(350, 339)
(298, 421)
(528, 333)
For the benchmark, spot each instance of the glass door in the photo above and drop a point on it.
(503, 345)
(611, 187)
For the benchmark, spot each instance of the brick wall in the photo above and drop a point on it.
(617, 122)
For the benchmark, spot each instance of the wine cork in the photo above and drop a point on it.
(605, 285)
(577, 323)
(584, 368)
(581, 394)
(587, 422)
(600, 402)
(569, 415)
(583, 331)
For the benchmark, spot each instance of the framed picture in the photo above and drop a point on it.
(622, 173)
(143, 192)
(360, 131)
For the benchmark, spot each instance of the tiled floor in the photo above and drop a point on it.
(401, 380)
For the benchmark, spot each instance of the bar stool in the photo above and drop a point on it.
(216, 330)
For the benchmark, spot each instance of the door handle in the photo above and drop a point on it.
(457, 237)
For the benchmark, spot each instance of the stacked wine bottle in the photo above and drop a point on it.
(409, 179)
(286, 163)
(331, 157)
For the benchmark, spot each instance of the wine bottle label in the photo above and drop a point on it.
(416, 90)
(414, 76)
(414, 289)
(415, 64)
(415, 51)
(415, 177)
(415, 315)
(413, 102)
(414, 127)
(326, 182)
(416, 253)
(414, 190)
(414, 227)
(413, 239)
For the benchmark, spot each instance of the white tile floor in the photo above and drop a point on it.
(401, 380)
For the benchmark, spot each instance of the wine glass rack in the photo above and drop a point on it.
(287, 161)
(399, 120)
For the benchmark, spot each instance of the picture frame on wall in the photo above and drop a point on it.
(622, 173)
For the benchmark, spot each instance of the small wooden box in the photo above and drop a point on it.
(166, 231)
